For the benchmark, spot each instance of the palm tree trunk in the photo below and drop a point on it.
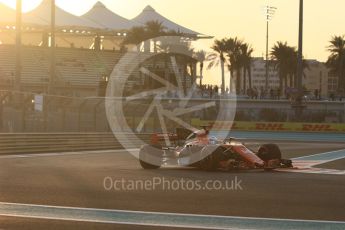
(154, 45)
(238, 81)
(223, 75)
(184, 76)
(291, 80)
(343, 80)
(244, 80)
(201, 72)
(231, 80)
(281, 79)
(250, 77)
(192, 73)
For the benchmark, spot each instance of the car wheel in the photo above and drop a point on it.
(150, 157)
(146, 165)
(211, 162)
(208, 163)
(269, 152)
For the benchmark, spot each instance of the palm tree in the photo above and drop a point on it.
(286, 58)
(291, 66)
(201, 57)
(280, 54)
(246, 52)
(336, 61)
(218, 57)
(136, 36)
(151, 30)
(235, 60)
(154, 29)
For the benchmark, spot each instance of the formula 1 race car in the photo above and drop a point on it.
(198, 149)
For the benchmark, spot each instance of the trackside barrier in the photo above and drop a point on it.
(272, 126)
(21, 143)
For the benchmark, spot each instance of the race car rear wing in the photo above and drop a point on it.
(159, 138)
(180, 135)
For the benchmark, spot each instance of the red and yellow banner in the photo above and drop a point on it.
(271, 126)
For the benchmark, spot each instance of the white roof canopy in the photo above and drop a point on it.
(7, 15)
(41, 16)
(101, 15)
(149, 14)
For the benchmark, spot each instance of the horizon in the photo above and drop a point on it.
(252, 29)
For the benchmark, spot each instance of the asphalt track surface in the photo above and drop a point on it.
(76, 180)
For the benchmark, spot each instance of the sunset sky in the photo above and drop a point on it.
(242, 18)
(229, 18)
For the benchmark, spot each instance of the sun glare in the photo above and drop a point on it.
(27, 4)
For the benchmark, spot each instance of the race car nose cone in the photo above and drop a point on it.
(258, 165)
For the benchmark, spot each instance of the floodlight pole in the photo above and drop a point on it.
(300, 50)
(299, 102)
(269, 13)
(18, 72)
(267, 67)
(52, 48)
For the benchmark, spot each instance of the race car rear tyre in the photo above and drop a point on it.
(208, 163)
(211, 162)
(146, 165)
(269, 152)
(150, 157)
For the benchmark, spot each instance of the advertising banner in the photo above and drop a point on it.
(272, 126)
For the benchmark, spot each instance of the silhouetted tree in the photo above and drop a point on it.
(336, 60)
(201, 57)
(218, 57)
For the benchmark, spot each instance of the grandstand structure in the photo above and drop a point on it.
(73, 74)
(87, 47)
(78, 71)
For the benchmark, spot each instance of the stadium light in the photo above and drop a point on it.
(299, 103)
(17, 84)
(269, 13)
(52, 47)
(300, 49)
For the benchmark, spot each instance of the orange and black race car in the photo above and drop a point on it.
(199, 149)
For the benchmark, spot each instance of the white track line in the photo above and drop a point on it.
(161, 219)
(35, 155)
(306, 164)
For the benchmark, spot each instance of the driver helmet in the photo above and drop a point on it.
(213, 140)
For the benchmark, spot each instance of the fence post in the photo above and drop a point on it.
(95, 114)
(79, 114)
(2, 99)
(27, 102)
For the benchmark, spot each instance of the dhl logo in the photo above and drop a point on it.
(270, 127)
(274, 126)
(316, 127)
(222, 125)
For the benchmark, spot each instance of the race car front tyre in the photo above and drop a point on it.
(208, 163)
(269, 152)
(150, 157)
(146, 165)
(211, 161)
